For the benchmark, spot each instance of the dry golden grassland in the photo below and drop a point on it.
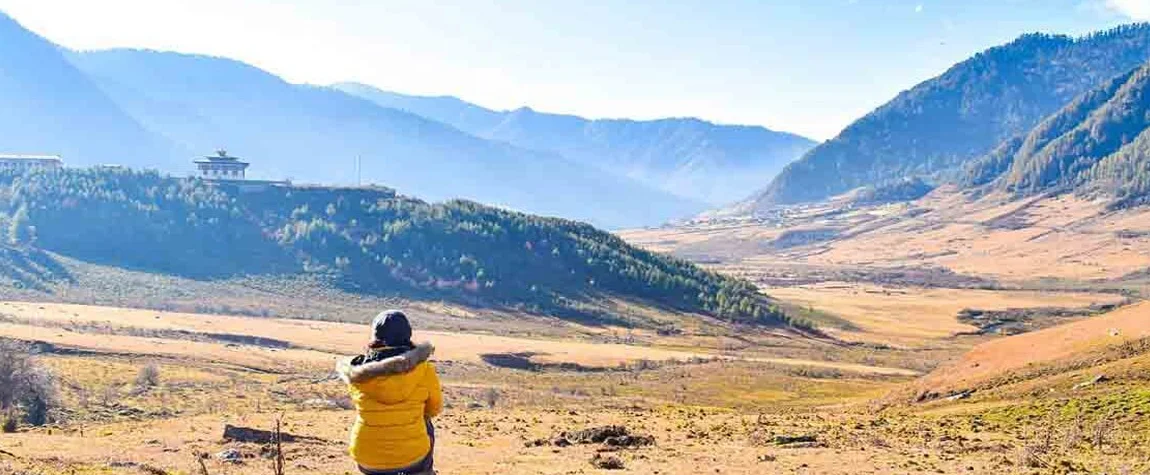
(994, 236)
(1077, 396)
(1072, 398)
(315, 344)
(1063, 237)
(295, 297)
(108, 422)
(908, 316)
(736, 410)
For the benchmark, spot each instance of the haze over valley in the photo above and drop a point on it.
(151, 109)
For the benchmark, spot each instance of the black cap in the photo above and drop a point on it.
(391, 328)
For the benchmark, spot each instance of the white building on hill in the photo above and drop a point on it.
(225, 170)
(28, 162)
(221, 166)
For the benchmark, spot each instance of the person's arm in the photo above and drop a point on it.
(434, 394)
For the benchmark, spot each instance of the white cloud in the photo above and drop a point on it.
(1135, 9)
(918, 8)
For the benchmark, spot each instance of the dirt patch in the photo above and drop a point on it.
(259, 436)
(613, 436)
(794, 441)
(608, 462)
(1013, 321)
(522, 361)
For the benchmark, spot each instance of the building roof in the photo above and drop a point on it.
(221, 157)
(9, 156)
(220, 162)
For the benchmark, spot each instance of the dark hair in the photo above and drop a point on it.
(391, 328)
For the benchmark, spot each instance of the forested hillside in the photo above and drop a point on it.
(1027, 154)
(368, 240)
(692, 158)
(1100, 143)
(942, 124)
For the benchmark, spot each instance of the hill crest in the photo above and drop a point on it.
(366, 240)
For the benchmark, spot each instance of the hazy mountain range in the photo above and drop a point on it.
(314, 134)
(688, 157)
(49, 106)
(150, 109)
(939, 126)
(1015, 116)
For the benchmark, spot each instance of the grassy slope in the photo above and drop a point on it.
(1076, 397)
(1076, 346)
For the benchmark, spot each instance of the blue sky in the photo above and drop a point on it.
(807, 66)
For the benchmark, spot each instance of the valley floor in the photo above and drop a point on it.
(947, 239)
(786, 408)
(489, 441)
(921, 374)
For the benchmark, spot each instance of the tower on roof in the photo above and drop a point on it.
(221, 166)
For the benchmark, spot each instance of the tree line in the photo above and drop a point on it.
(367, 239)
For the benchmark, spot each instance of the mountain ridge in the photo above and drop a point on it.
(938, 126)
(694, 158)
(53, 108)
(286, 126)
(149, 109)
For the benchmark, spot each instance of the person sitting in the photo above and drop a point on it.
(396, 393)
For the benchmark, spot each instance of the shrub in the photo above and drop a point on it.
(25, 385)
(14, 363)
(492, 396)
(38, 406)
(148, 377)
(111, 394)
(10, 422)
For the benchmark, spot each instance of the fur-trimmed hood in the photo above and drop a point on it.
(351, 373)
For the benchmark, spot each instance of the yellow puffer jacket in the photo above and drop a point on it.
(393, 397)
